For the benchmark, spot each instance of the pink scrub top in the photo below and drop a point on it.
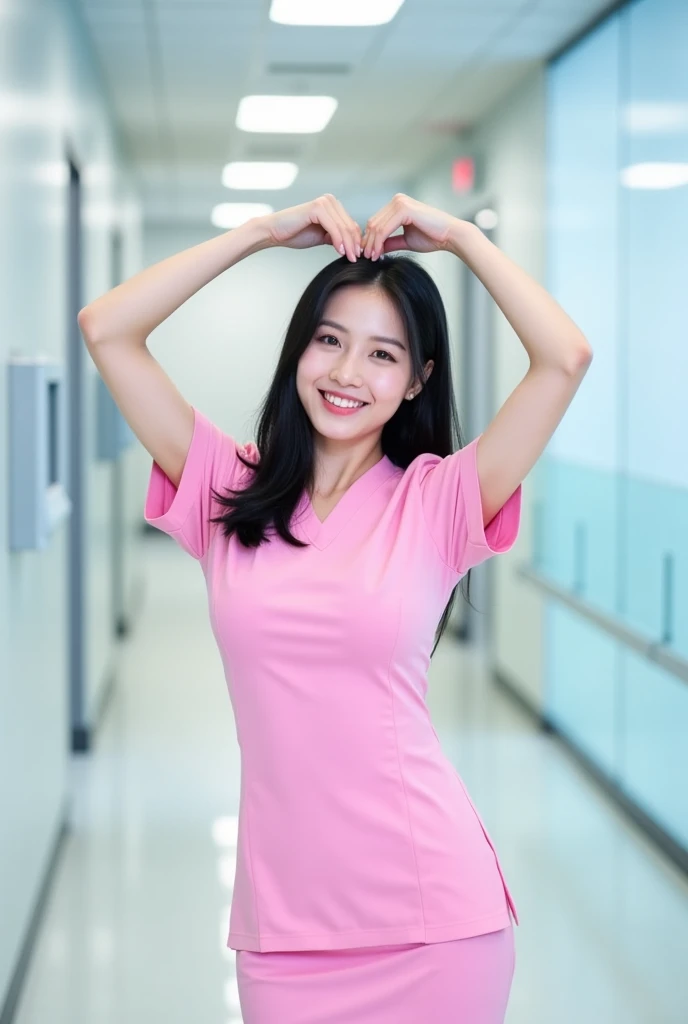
(354, 827)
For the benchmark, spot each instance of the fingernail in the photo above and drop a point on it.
(341, 248)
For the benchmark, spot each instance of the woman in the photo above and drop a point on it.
(367, 889)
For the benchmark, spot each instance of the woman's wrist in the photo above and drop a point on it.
(460, 232)
(255, 234)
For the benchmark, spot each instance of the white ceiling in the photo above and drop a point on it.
(176, 70)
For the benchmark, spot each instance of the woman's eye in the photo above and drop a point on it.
(330, 337)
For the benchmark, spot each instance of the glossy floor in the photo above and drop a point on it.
(136, 923)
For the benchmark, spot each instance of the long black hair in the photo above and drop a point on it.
(284, 436)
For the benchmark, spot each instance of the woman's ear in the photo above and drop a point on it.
(428, 370)
(418, 387)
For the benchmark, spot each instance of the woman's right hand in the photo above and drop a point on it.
(322, 221)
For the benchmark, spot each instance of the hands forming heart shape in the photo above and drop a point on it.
(324, 221)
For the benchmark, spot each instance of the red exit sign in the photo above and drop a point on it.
(463, 174)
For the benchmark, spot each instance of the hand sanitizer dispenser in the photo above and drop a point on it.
(36, 490)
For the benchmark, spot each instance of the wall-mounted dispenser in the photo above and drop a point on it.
(113, 432)
(36, 490)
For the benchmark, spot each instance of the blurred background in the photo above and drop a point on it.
(128, 131)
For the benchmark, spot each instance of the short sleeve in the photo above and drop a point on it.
(452, 509)
(184, 512)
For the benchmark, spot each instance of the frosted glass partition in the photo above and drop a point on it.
(614, 480)
(654, 129)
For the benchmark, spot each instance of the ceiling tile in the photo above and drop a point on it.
(408, 87)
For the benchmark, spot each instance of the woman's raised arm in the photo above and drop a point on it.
(116, 326)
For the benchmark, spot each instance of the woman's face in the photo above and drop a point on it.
(359, 349)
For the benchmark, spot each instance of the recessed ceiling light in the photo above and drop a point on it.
(231, 215)
(259, 175)
(285, 113)
(334, 12)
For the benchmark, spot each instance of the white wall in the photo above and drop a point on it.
(510, 143)
(50, 97)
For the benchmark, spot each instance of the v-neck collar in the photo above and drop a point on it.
(321, 533)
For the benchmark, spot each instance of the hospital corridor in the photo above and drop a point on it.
(384, 300)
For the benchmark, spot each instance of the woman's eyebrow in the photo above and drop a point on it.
(374, 337)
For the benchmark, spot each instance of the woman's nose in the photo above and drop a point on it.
(347, 370)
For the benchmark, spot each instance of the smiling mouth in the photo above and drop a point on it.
(323, 393)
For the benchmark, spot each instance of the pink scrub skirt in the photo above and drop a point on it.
(463, 981)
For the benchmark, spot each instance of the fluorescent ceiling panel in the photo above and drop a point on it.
(259, 175)
(334, 12)
(231, 215)
(285, 113)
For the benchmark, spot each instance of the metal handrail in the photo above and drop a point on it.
(655, 651)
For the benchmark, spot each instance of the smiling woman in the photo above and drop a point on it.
(332, 549)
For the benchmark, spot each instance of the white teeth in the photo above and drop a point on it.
(344, 403)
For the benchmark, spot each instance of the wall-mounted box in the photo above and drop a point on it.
(113, 432)
(37, 463)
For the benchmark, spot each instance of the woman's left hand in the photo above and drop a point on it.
(426, 229)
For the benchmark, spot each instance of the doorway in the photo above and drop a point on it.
(76, 572)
